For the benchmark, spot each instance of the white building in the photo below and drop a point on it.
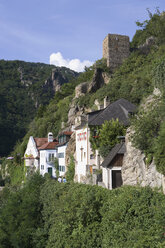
(88, 161)
(63, 140)
(31, 156)
(48, 153)
(111, 167)
(37, 148)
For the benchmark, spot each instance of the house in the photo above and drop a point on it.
(86, 159)
(32, 153)
(111, 167)
(63, 139)
(48, 153)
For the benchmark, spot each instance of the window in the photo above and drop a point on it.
(61, 155)
(62, 168)
(42, 167)
(92, 156)
(51, 157)
(84, 154)
(81, 149)
(62, 139)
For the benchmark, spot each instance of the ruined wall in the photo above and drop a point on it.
(115, 50)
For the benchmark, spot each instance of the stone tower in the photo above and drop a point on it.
(115, 50)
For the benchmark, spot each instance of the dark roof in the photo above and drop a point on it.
(93, 115)
(118, 149)
(116, 110)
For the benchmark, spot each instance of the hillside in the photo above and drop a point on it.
(134, 80)
(38, 211)
(24, 87)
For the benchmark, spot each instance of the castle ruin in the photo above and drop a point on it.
(115, 50)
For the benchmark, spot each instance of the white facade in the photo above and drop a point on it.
(107, 174)
(47, 158)
(61, 159)
(31, 155)
(86, 160)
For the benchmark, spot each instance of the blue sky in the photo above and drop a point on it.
(34, 30)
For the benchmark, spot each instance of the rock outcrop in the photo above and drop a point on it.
(99, 79)
(60, 76)
(136, 172)
(81, 89)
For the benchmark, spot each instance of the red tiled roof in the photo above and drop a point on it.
(48, 146)
(40, 141)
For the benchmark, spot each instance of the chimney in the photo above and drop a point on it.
(50, 137)
(106, 101)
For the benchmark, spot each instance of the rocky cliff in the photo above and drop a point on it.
(136, 172)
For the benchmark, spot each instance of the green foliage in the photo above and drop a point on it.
(134, 219)
(20, 214)
(71, 169)
(154, 27)
(132, 81)
(104, 138)
(13, 171)
(56, 165)
(146, 126)
(22, 91)
(102, 64)
(45, 213)
(159, 74)
(159, 151)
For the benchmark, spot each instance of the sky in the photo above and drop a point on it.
(66, 32)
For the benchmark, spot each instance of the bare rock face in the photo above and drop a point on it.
(97, 81)
(81, 89)
(136, 172)
(134, 169)
(58, 79)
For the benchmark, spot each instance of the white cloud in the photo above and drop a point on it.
(74, 64)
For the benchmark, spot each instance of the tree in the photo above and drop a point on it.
(104, 138)
(159, 152)
(71, 169)
(56, 165)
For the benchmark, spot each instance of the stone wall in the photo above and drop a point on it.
(136, 172)
(115, 50)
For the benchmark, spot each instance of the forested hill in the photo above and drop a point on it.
(24, 87)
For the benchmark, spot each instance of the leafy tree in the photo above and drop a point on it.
(71, 169)
(56, 165)
(20, 215)
(159, 150)
(104, 138)
(154, 27)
